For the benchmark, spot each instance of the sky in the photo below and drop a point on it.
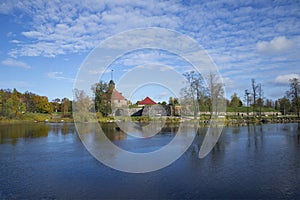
(44, 43)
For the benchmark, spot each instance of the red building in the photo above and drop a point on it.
(146, 101)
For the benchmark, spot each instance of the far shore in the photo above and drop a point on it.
(204, 120)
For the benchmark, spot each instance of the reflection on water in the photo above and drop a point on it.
(48, 161)
(137, 153)
(131, 130)
(11, 133)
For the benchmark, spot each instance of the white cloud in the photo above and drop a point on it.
(15, 63)
(72, 27)
(284, 79)
(15, 41)
(6, 7)
(277, 45)
(58, 76)
(235, 33)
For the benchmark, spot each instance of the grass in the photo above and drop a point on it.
(37, 117)
(230, 119)
(244, 109)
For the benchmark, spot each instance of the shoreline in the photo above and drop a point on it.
(203, 120)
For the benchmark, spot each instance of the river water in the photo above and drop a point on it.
(48, 161)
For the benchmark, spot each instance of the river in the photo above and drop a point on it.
(49, 161)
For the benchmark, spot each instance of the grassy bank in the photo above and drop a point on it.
(38, 117)
(229, 120)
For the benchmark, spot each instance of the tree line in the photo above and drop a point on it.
(209, 95)
(288, 104)
(201, 96)
(196, 93)
(14, 103)
(198, 96)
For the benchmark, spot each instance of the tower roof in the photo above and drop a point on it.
(117, 95)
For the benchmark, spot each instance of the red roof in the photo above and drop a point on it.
(117, 95)
(147, 101)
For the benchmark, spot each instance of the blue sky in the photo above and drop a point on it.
(43, 43)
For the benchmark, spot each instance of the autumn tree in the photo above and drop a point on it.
(42, 104)
(82, 106)
(36, 104)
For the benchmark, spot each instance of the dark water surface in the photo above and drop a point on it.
(48, 161)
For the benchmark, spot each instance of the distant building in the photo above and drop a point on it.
(146, 101)
(118, 100)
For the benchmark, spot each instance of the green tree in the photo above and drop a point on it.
(17, 107)
(260, 104)
(235, 101)
(29, 103)
(269, 103)
(294, 94)
(65, 106)
(284, 105)
(173, 101)
(5, 94)
(101, 98)
(56, 104)
(11, 104)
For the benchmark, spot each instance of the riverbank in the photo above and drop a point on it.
(38, 117)
(204, 120)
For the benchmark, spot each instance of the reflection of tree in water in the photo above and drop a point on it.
(169, 129)
(298, 135)
(62, 128)
(292, 133)
(236, 130)
(14, 132)
(255, 136)
(67, 129)
(114, 132)
(55, 129)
